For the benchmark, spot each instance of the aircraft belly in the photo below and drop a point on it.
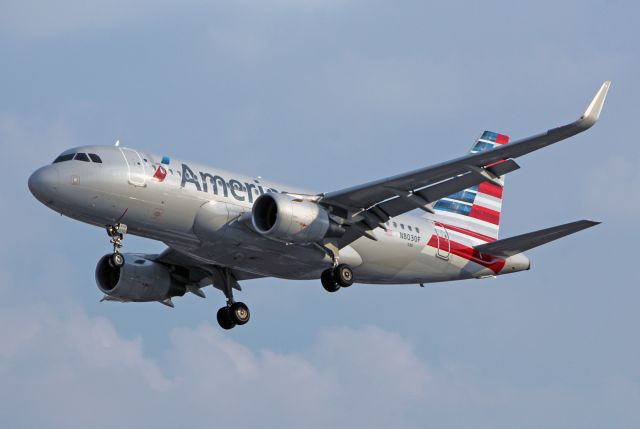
(267, 259)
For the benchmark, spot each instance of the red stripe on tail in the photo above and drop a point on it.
(485, 214)
(468, 232)
(490, 189)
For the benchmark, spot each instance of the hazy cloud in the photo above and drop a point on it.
(72, 370)
(88, 373)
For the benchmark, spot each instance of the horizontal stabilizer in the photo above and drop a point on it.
(520, 243)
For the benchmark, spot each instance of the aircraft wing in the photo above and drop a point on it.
(192, 271)
(367, 206)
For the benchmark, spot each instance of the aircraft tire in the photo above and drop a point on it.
(116, 260)
(239, 313)
(329, 282)
(224, 318)
(343, 275)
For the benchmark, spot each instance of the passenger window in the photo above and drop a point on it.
(410, 229)
(81, 157)
(95, 158)
(395, 225)
(417, 230)
(66, 157)
(402, 225)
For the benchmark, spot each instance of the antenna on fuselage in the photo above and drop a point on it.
(117, 142)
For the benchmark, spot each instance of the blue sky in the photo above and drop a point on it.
(325, 94)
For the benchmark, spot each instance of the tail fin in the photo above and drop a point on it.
(475, 212)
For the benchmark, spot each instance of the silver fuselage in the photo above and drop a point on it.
(201, 211)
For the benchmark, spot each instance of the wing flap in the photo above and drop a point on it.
(520, 243)
(397, 206)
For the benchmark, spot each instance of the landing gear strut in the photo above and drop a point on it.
(116, 232)
(234, 313)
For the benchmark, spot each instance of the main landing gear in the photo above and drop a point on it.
(234, 313)
(339, 276)
(116, 232)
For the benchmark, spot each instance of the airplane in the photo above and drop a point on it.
(222, 227)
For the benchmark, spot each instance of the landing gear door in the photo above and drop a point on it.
(444, 245)
(135, 166)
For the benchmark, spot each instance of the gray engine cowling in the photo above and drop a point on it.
(139, 279)
(288, 218)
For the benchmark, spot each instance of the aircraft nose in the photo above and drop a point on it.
(44, 182)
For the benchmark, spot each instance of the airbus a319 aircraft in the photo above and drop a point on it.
(222, 227)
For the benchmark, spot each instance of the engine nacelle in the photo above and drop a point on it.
(287, 218)
(139, 279)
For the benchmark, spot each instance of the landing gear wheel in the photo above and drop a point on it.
(329, 282)
(343, 275)
(116, 260)
(239, 313)
(224, 318)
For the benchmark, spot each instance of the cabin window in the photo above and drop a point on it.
(395, 225)
(65, 157)
(402, 225)
(81, 157)
(410, 229)
(95, 158)
(417, 230)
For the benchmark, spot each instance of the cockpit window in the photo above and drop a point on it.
(64, 157)
(95, 158)
(81, 157)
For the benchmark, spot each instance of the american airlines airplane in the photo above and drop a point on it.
(222, 227)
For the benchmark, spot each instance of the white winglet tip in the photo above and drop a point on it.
(592, 113)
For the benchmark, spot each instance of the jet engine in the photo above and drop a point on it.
(139, 279)
(288, 218)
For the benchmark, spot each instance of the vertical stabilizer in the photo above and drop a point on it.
(475, 212)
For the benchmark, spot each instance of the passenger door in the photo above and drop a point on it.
(137, 176)
(444, 245)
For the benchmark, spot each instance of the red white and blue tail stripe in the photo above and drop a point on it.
(473, 215)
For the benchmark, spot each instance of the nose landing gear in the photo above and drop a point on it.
(116, 233)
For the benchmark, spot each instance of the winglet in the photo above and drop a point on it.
(591, 115)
